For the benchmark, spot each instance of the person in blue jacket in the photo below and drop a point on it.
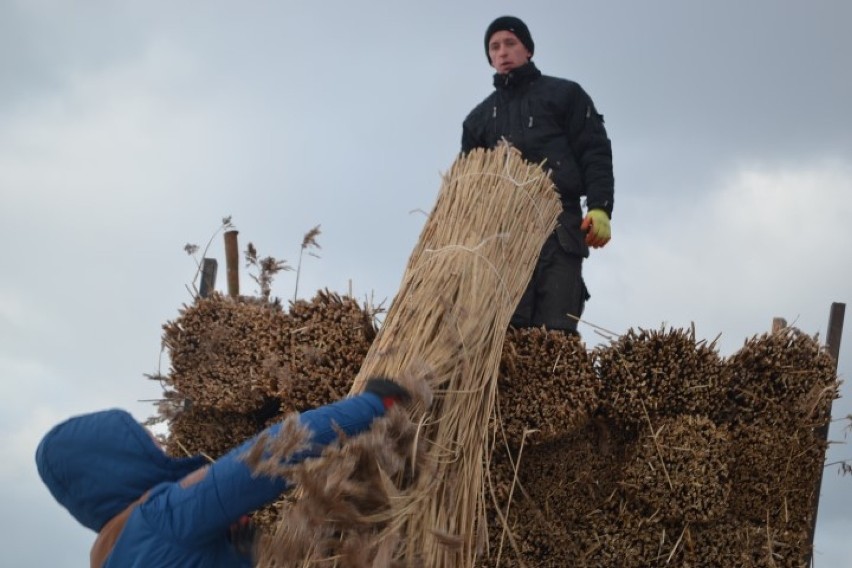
(151, 510)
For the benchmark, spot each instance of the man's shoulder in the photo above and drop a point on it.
(559, 83)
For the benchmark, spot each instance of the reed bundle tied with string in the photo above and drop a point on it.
(220, 348)
(467, 273)
(463, 280)
(233, 355)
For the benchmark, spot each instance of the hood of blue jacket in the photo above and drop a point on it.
(97, 464)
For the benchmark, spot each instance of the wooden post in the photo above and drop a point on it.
(209, 267)
(778, 324)
(832, 345)
(232, 263)
(835, 330)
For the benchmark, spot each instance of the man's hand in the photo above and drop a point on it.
(596, 226)
(387, 390)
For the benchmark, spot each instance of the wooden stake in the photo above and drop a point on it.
(232, 263)
(209, 267)
(832, 344)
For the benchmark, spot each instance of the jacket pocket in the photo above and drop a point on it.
(571, 239)
(566, 176)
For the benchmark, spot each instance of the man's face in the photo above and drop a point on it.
(507, 52)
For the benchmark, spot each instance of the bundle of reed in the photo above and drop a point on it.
(221, 348)
(680, 470)
(781, 378)
(540, 495)
(738, 543)
(658, 373)
(329, 338)
(474, 258)
(463, 281)
(615, 536)
(774, 470)
(547, 386)
(199, 430)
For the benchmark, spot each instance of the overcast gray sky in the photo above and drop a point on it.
(128, 129)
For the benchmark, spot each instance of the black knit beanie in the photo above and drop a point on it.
(509, 24)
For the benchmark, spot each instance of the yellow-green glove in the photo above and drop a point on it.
(596, 226)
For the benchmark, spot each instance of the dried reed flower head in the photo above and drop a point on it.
(310, 238)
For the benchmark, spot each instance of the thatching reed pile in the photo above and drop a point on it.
(717, 481)
(328, 340)
(536, 364)
(668, 488)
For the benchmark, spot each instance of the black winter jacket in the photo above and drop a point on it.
(552, 120)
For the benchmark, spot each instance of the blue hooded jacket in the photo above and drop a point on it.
(96, 465)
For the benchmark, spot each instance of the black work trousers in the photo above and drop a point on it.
(556, 289)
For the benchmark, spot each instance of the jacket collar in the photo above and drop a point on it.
(523, 75)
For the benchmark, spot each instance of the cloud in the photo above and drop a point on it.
(20, 438)
(114, 138)
(17, 314)
(762, 241)
(128, 131)
(831, 545)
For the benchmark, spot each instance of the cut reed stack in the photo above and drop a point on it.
(575, 476)
(725, 478)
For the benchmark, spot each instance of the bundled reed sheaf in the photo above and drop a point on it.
(774, 470)
(238, 354)
(649, 374)
(221, 348)
(782, 378)
(540, 493)
(463, 281)
(547, 385)
(679, 471)
(329, 338)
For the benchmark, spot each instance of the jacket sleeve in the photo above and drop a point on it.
(206, 503)
(471, 131)
(593, 150)
(468, 141)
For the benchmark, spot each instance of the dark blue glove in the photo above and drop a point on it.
(389, 391)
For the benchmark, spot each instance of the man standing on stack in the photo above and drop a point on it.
(552, 120)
